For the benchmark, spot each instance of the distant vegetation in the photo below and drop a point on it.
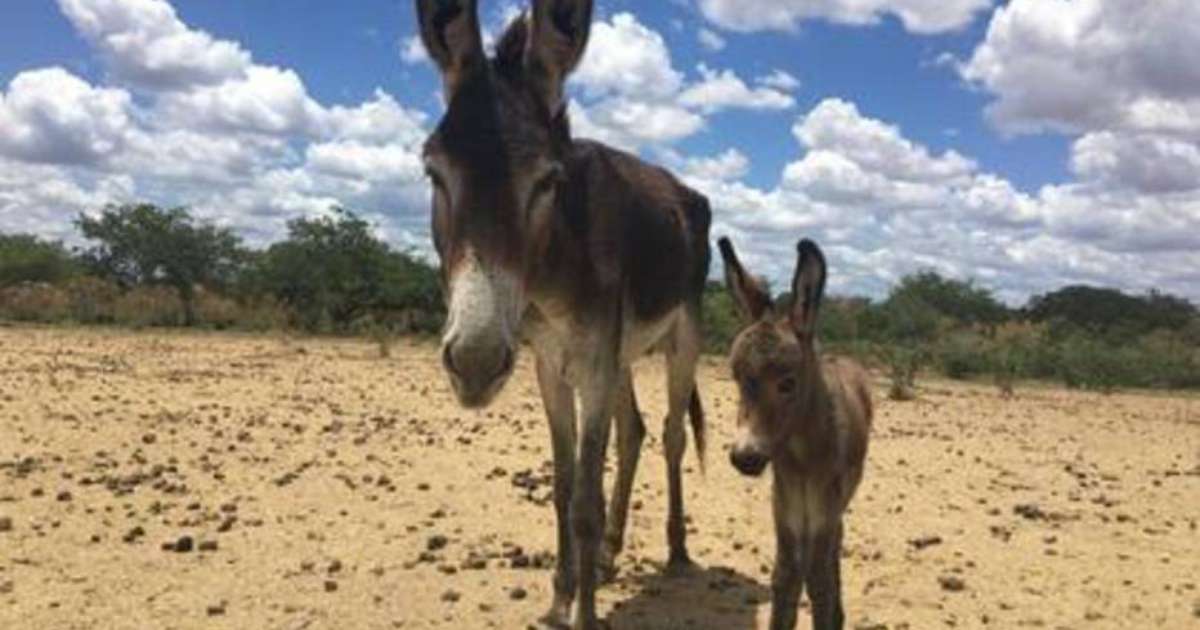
(150, 266)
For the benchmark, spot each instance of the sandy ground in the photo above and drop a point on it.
(161, 480)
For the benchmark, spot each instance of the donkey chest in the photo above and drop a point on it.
(806, 505)
(570, 350)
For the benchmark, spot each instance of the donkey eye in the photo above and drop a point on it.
(435, 178)
(787, 385)
(546, 184)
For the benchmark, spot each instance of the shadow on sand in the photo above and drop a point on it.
(713, 598)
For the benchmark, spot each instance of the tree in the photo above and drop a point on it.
(963, 302)
(334, 271)
(1111, 312)
(27, 258)
(144, 244)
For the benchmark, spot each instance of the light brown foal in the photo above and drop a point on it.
(809, 418)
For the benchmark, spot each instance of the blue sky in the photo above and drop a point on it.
(992, 140)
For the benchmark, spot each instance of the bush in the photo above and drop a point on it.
(34, 302)
(963, 355)
(149, 306)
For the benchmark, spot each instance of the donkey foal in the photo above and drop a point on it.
(809, 418)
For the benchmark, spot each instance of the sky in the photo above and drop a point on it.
(1024, 145)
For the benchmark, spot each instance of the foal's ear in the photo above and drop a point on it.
(808, 287)
(559, 35)
(450, 31)
(751, 299)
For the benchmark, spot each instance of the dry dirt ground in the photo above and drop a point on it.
(161, 480)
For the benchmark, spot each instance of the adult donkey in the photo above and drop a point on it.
(591, 255)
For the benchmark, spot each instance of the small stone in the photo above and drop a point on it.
(451, 596)
(185, 544)
(216, 610)
(6, 524)
(64, 496)
(330, 586)
(208, 545)
(952, 583)
(436, 542)
(518, 593)
(134, 534)
(149, 438)
(6, 587)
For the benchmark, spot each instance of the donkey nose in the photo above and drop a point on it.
(748, 462)
(475, 369)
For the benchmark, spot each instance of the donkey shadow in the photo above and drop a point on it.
(712, 598)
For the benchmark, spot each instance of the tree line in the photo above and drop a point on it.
(149, 266)
(146, 265)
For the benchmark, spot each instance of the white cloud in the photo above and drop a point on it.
(147, 45)
(412, 50)
(722, 89)
(837, 125)
(53, 116)
(918, 16)
(629, 93)
(1143, 162)
(1088, 65)
(241, 143)
(729, 165)
(710, 40)
(626, 58)
(780, 80)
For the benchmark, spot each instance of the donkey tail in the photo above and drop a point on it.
(699, 429)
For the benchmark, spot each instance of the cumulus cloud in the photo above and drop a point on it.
(54, 116)
(145, 44)
(722, 89)
(243, 144)
(885, 206)
(710, 40)
(628, 91)
(780, 80)
(1087, 65)
(918, 16)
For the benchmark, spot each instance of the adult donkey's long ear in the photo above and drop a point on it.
(808, 287)
(560, 30)
(450, 31)
(751, 299)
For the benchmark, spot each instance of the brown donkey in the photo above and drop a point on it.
(810, 419)
(592, 256)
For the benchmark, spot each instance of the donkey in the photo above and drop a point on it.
(590, 255)
(810, 419)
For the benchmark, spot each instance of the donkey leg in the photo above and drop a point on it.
(630, 433)
(587, 496)
(559, 401)
(824, 580)
(787, 580)
(681, 384)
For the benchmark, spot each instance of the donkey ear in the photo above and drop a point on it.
(560, 30)
(450, 31)
(808, 287)
(751, 299)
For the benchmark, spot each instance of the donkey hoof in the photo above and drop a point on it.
(559, 615)
(680, 564)
(606, 568)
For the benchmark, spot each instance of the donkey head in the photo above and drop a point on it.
(774, 357)
(495, 161)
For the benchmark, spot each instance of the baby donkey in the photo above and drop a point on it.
(807, 416)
